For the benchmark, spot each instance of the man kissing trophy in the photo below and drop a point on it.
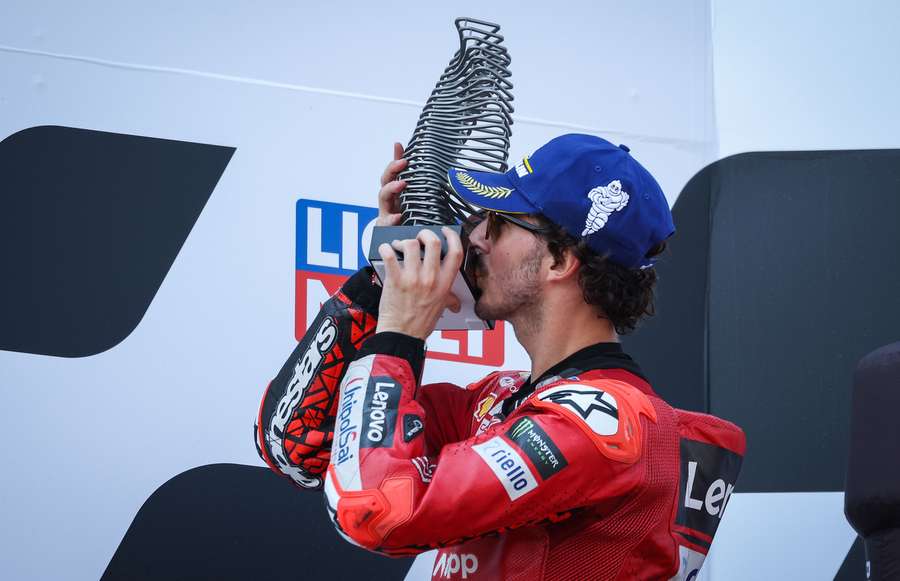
(466, 123)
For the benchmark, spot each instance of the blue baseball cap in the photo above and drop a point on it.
(587, 185)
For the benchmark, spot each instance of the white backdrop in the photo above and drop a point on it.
(312, 97)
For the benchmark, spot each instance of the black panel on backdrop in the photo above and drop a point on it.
(671, 346)
(788, 261)
(231, 523)
(90, 223)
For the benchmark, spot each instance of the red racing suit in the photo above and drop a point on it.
(583, 474)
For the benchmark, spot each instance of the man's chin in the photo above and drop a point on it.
(489, 312)
(480, 309)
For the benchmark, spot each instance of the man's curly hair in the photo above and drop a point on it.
(622, 295)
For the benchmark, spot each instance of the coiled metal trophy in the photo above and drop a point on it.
(466, 123)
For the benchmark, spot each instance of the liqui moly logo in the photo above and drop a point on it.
(332, 243)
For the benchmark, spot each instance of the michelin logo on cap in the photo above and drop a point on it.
(604, 201)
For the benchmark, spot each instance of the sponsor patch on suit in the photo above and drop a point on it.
(537, 445)
(508, 466)
(412, 426)
(380, 412)
(708, 475)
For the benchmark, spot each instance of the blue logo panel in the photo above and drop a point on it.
(331, 237)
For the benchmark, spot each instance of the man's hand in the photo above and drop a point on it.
(389, 194)
(417, 289)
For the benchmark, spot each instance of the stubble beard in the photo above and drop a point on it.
(515, 293)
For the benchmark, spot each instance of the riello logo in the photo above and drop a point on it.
(332, 243)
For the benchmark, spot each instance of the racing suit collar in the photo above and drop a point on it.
(597, 356)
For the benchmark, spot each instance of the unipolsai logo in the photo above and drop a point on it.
(332, 243)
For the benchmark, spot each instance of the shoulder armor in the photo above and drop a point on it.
(606, 410)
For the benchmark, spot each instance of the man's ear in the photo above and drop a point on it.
(564, 268)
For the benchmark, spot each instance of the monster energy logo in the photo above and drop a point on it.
(520, 428)
(537, 445)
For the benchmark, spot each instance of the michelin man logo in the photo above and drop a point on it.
(604, 201)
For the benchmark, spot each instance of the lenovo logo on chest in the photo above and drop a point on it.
(715, 498)
(708, 476)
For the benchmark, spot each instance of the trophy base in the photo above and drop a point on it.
(462, 287)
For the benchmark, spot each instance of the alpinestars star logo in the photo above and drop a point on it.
(597, 408)
(604, 201)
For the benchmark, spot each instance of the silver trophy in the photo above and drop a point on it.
(466, 123)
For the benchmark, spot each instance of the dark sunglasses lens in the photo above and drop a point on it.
(470, 223)
(494, 225)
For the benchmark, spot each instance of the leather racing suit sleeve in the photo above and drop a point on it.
(295, 423)
(390, 490)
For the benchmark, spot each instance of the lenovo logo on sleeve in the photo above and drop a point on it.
(380, 413)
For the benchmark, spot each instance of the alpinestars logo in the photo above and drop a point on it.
(304, 372)
(597, 408)
(604, 201)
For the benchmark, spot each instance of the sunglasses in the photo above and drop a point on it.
(495, 222)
